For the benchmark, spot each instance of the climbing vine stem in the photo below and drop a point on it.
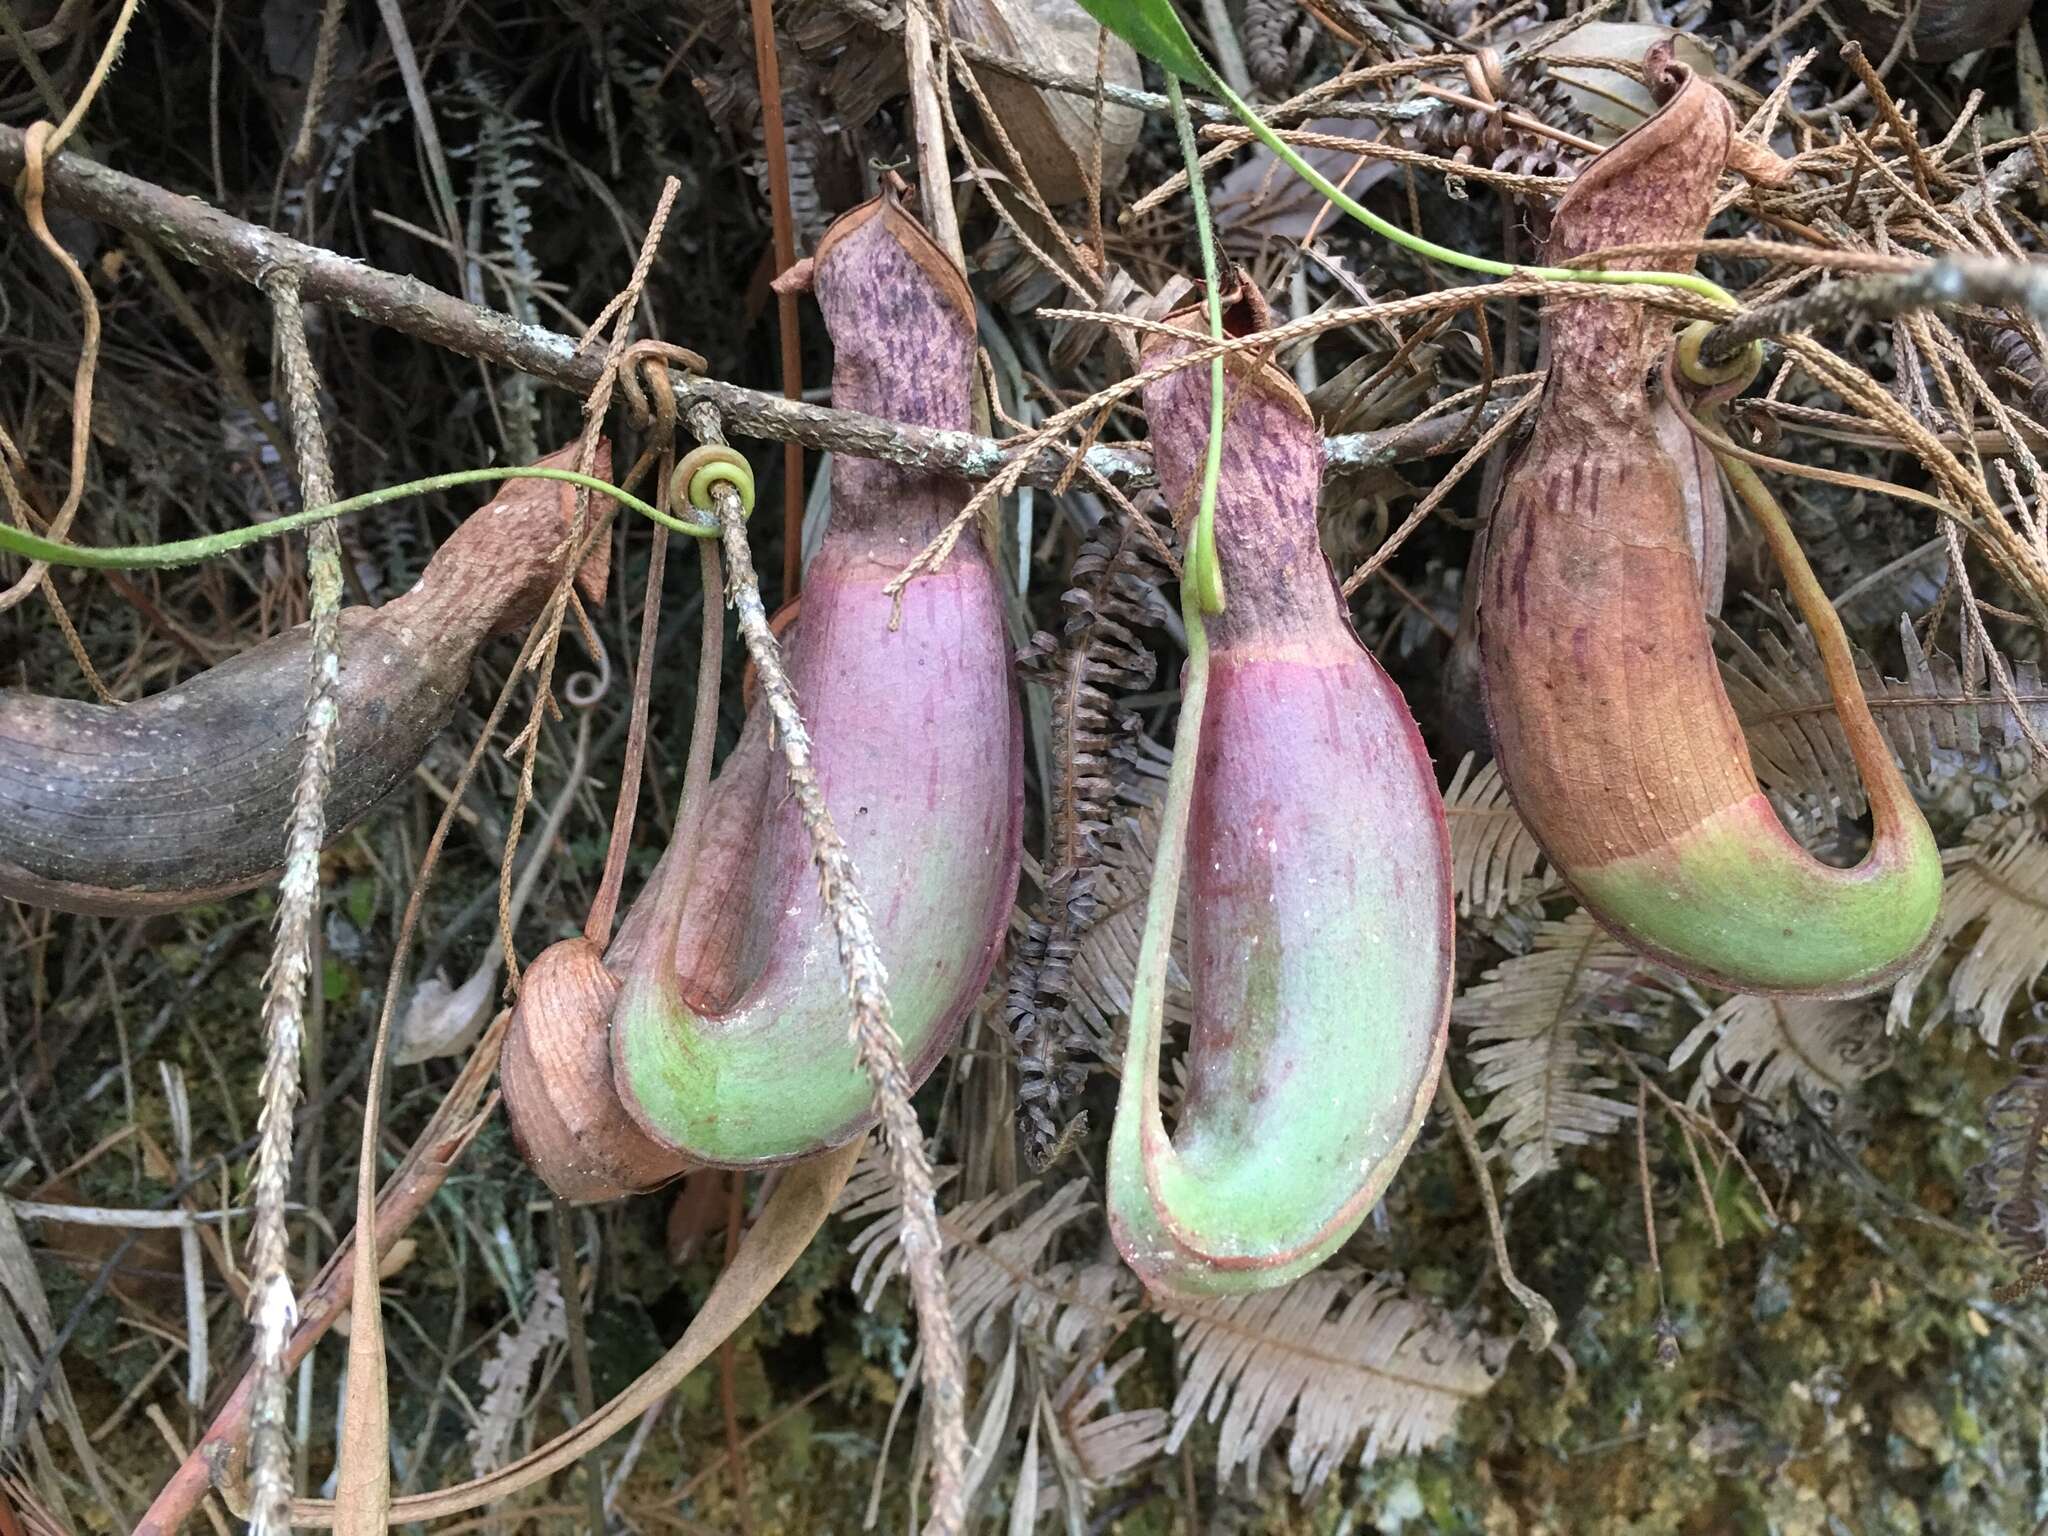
(1202, 572)
(134, 557)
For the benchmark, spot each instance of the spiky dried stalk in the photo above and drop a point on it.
(273, 1308)
(867, 979)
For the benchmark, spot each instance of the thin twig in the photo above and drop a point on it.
(586, 527)
(35, 154)
(1539, 1317)
(136, 1219)
(874, 1035)
(110, 55)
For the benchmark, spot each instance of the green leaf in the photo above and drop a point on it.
(362, 900)
(1155, 29)
(337, 981)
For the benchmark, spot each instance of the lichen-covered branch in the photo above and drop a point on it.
(1942, 284)
(204, 236)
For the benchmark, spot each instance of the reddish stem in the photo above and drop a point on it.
(768, 71)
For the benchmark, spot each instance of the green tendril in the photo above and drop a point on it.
(1155, 29)
(703, 470)
(1689, 282)
(1739, 371)
(144, 557)
(1203, 572)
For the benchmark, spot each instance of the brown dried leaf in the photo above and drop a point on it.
(1054, 132)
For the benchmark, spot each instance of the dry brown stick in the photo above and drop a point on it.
(597, 926)
(874, 1035)
(193, 232)
(404, 1196)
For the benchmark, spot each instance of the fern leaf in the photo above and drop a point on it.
(1344, 1361)
(1767, 1046)
(505, 177)
(993, 1277)
(1999, 880)
(1494, 858)
(1107, 1447)
(2007, 1185)
(1106, 950)
(1098, 655)
(1796, 741)
(1528, 1019)
(507, 1376)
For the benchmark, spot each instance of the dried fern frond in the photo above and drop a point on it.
(1545, 1082)
(1796, 741)
(993, 1277)
(1488, 138)
(1087, 1452)
(508, 1375)
(2007, 1186)
(1107, 1447)
(1011, 1298)
(1106, 950)
(1998, 879)
(1347, 1361)
(1115, 593)
(1494, 859)
(505, 147)
(1764, 1047)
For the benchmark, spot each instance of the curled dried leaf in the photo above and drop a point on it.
(1054, 132)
